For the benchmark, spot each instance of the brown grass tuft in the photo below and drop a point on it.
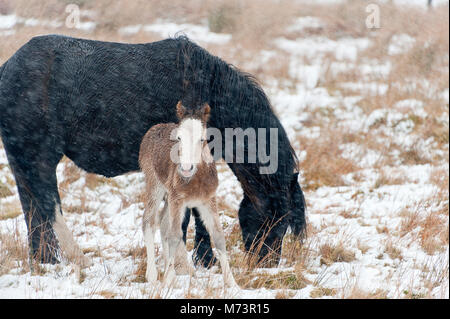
(335, 253)
(433, 234)
(324, 164)
(280, 280)
(321, 292)
(13, 252)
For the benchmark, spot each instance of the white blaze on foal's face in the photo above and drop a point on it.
(191, 134)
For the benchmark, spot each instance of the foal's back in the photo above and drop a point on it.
(154, 154)
(155, 162)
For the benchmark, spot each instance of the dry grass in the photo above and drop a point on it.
(321, 292)
(107, 294)
(427, 225)
(392, 250)
(358, 293)
(410, 220)
(5, 191)
(440, 177)
(389, 179)
(249, 18)
(13, 252)
(331, 253)
(317, 168)
(433, 234)
(284, 294)
(10, 210)
(280, 280)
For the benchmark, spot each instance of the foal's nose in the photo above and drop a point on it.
(187, 170)
(187, 167)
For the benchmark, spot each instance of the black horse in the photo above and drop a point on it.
(93, 102)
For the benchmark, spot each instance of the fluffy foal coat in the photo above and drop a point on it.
(187, 182)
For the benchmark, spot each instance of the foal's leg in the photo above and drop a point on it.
(182, 266)
(175, 237)
(164, 230)
(210, 218)
(155, 195)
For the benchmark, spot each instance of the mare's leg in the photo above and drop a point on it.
(39, 197)
(155, 194)
(203, 253)
(185, 224)
(263, 229)
(210, 218)
(33, 157)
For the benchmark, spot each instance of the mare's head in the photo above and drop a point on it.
(191, 136)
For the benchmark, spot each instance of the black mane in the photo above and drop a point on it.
(239, 101)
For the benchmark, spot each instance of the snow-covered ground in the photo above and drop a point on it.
(378, 215)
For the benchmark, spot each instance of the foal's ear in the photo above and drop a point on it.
(181, 110)
(206, 110)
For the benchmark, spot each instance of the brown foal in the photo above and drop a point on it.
(178, 166)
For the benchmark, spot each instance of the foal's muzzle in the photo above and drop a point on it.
(187, 170)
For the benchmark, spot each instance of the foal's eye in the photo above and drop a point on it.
(179, 138)
(202, 140)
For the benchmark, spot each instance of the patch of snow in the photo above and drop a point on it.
(10, 21)
(303, 23)
(130, 30)
(376, 68)
(445, 95)
(195, 32)
(315, 48)
(400, 43)
(371, 88)
(86, 26)
(7, 21)
(308, 74)
(363, 157)
(414, 106)
(422, 3)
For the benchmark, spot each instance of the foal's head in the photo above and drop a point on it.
(191, 136)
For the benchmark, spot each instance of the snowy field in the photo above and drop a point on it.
(367, 112)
